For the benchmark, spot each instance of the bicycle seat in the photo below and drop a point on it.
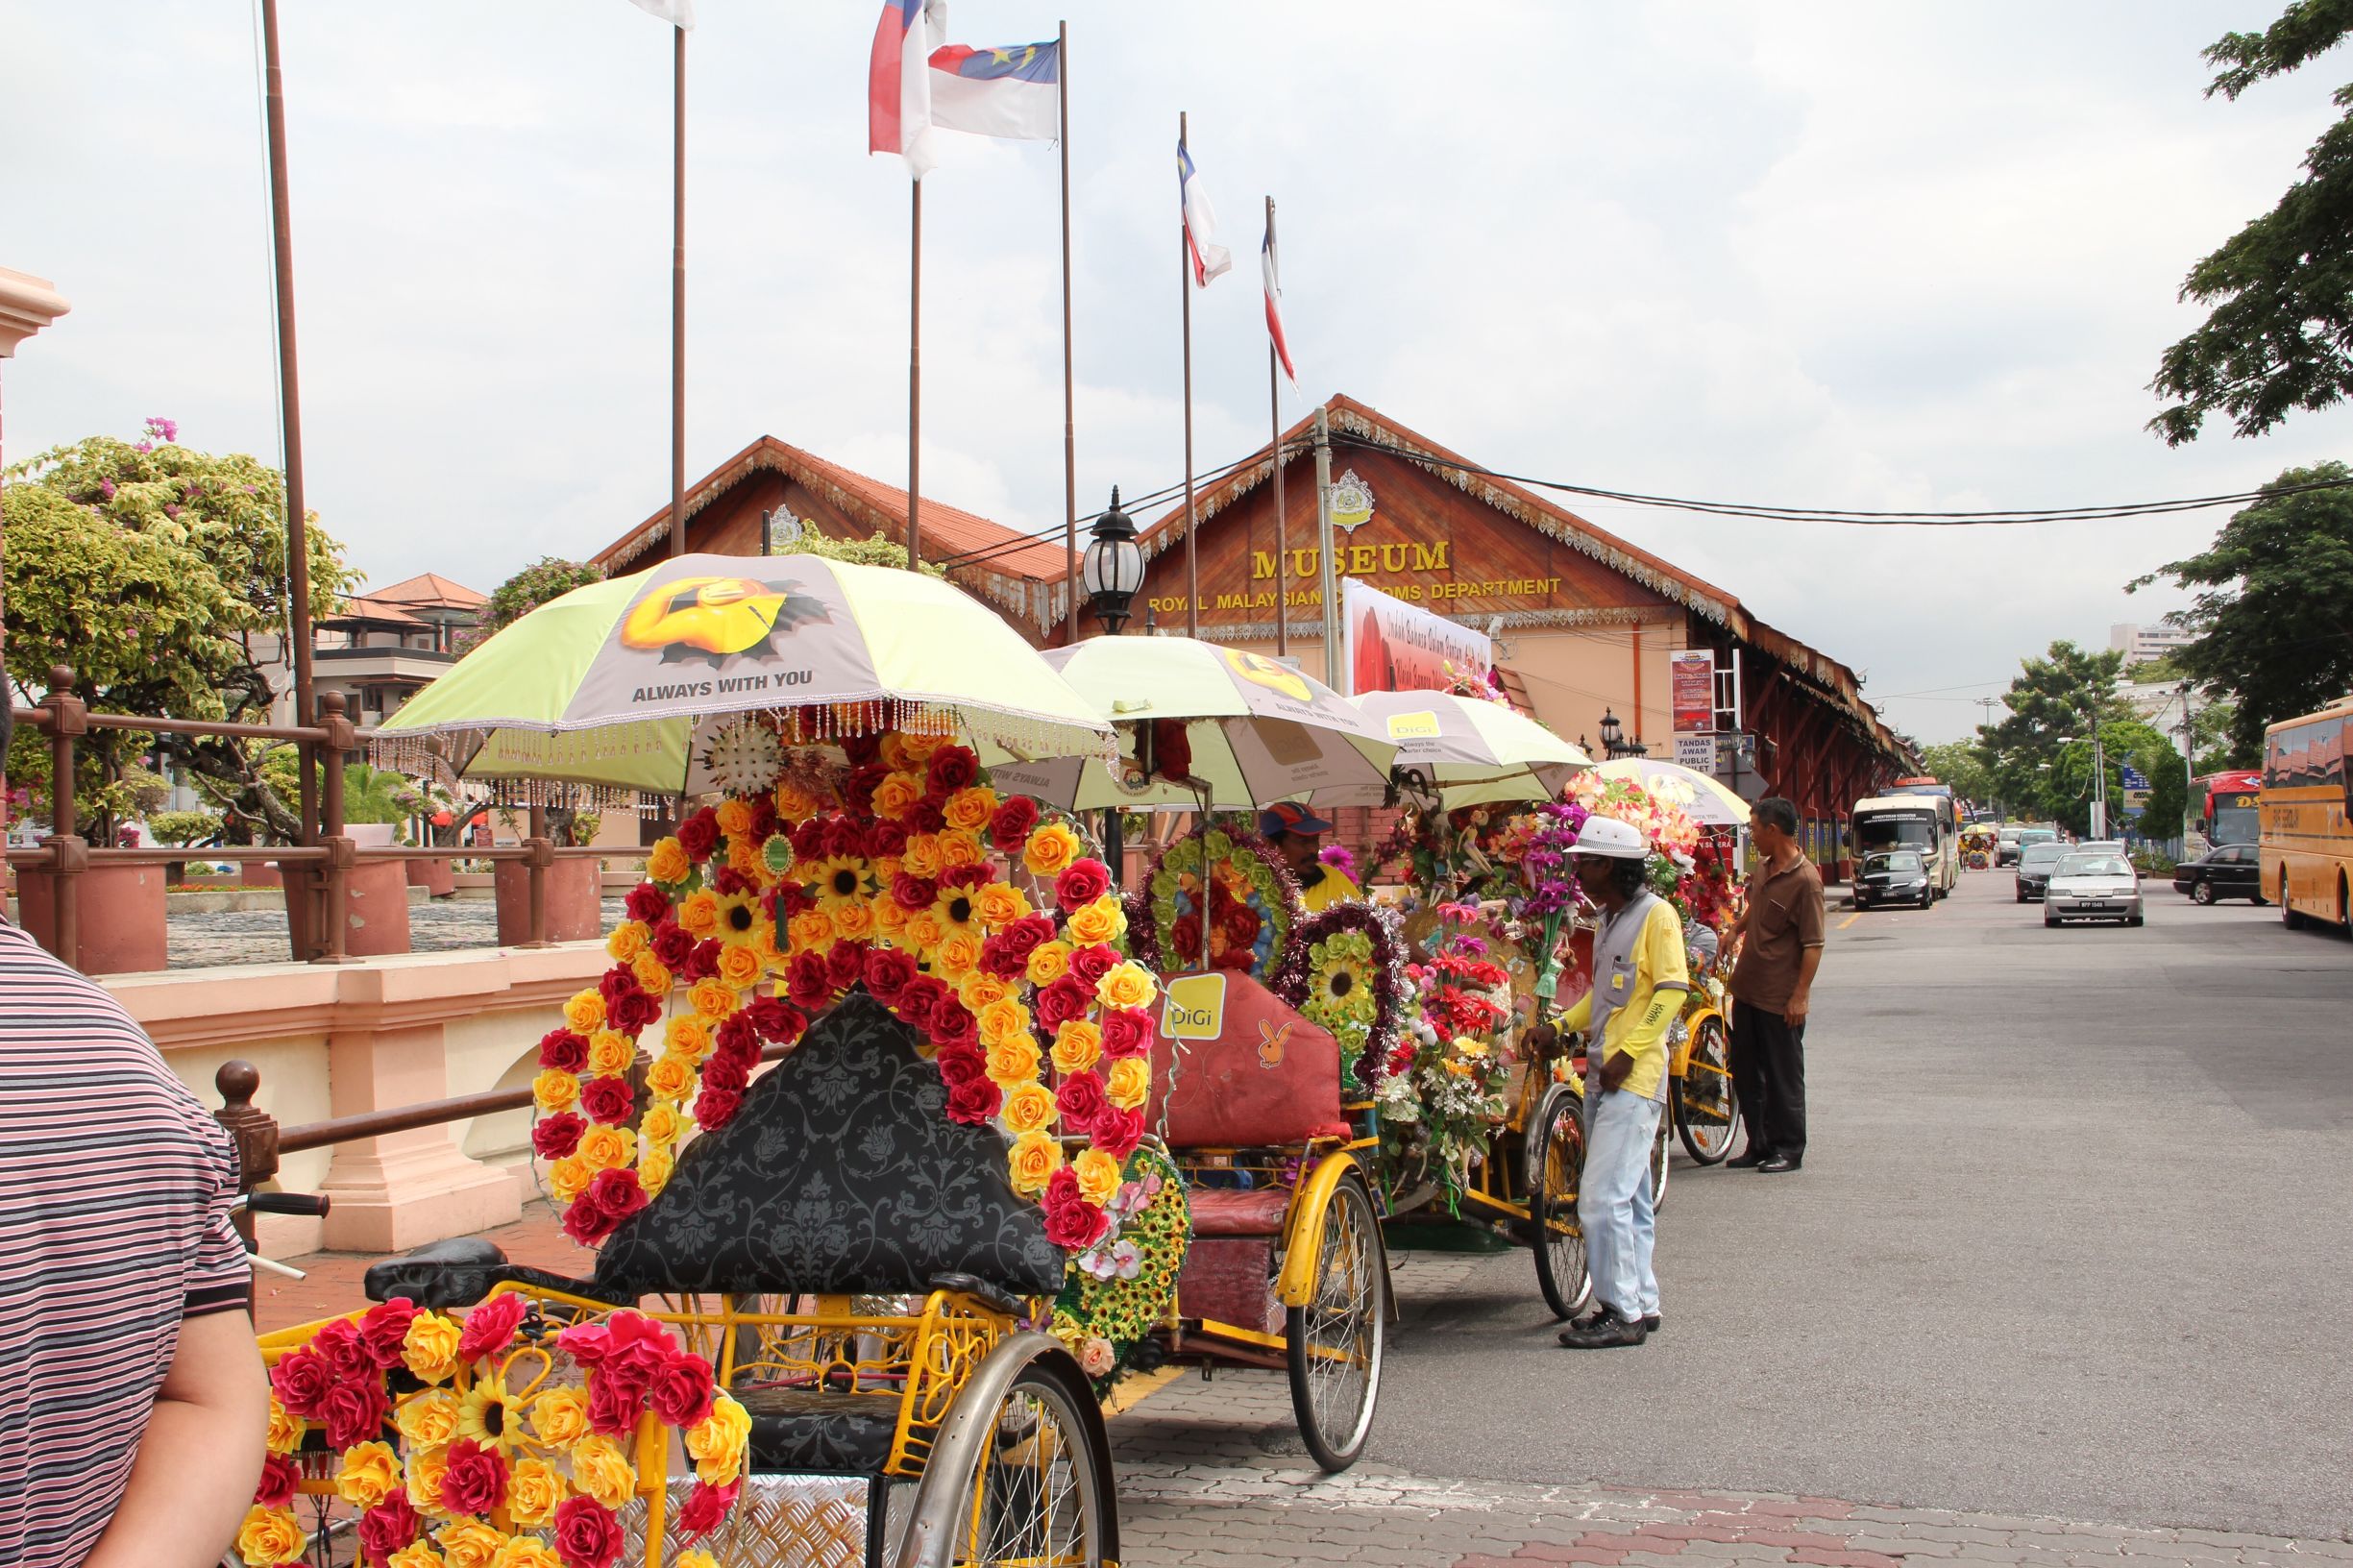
(459, 1272)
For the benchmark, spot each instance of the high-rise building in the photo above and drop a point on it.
(2139, 644)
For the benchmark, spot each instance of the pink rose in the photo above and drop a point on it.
(1080, 882)
(300, 1380)
(706, 1508)
(563, 1050)
(1081, 1098)
(1127, 1031)
(587, 1535)
(280, 1477)
(609, 1100)
(682, 1391)
(1092, 964)
(388, 1528)
(352, 1412)
(612, 1408)
(1116, 1132)
(476, 1480)
(488, 1328)
(382, 1328)
(337, 1344)
(555, 1136)
(1066, 998)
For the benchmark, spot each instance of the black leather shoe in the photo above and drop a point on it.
(1649, 1323)
(1749, 1159)
(1779, 1165)
(1604, 1330)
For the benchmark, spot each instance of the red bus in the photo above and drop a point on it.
(2230, 806)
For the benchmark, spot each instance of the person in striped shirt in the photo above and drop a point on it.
(132, 1404)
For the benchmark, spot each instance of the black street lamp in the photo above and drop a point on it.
(1113, 566)
(1614, 744)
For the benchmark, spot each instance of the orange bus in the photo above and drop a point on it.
(2307, 845)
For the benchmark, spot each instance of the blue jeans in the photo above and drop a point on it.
(1613, 1200)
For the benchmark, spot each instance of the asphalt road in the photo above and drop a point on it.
(2074, 1239)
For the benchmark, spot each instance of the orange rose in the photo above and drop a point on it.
(584, 1013)
(897, 795)
(1013, 1060)
(427, 1466)
(470, 1544)
(734, 817)
(1048, 961)
(1098, 922)
(793, 804)
(1129, 1084)
(890, 918)
(971, 808)
(744, 855)
(668, 862)
(553, 1090)
(922, 855)
(609, 1053)
(713, 998)
(559, 1417)
(1032, 1161)
(429, 1351)
(688, 1035)
(961, 849)
(739, 966)
(671, 1077)
(999, 904)
(271, 1535)
(607, 1148)
(651, 978)
(926, 930)
(700, 914)
(980, 989)
(717, 1445)
(427, 1419)
(1028, 1108)
(286, 1431)
(1125, 985)
(567, 1178)
(1098, 1176)
(1050, 850)
(599, 1469)
(653, 1168)
(661, 1126)
(811, 931)
(368, 1474)
(1078, 1045)
(1002, 1019)
(628, 941)
(854, 920)
(957, 956)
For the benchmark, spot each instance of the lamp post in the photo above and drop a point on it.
(1113, 566)
(1614, 744)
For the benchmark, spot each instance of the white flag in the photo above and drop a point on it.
(1209, 257)
(676, 13)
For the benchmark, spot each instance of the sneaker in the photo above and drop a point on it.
(1604, 1330)
(1779, 1165)
(1748, 1159)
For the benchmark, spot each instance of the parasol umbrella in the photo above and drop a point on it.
(644, 682)
(1700, 797)
(1469, 751)
(1258, 731)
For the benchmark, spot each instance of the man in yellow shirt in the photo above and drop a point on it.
(1640, 980)
(1293, 830)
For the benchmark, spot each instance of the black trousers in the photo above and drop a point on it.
(1769, 1074)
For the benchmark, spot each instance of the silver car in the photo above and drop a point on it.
(2100, 886)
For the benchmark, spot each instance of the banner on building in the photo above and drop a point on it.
(1691, 677)
(1388, 645)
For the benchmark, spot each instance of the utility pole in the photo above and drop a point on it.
(1329, 580)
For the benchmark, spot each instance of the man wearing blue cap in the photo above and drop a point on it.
(1293, 829)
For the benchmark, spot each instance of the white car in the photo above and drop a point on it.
(2101, 886)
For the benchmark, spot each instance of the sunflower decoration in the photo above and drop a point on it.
(485, 1412)
(1118, 1291)
(1340, 991)
(958, 912)
(1343, 971)
(1253, 904)
(839, 879)
(737, 919)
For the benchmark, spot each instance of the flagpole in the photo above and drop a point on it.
(289, 403)
(678, 292)
(1070, 424)
(1274, 407)
(914, 371)
(1185, 287)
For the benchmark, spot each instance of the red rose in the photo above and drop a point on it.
(1028, 932)
(737, 1033)
(952, 1023)
(1240, 924)
(846, 964)
(352, 1412)
(919, 1001)
(563, 1050)
(682, 1391)
(961, 1065)
(1127, 1031)
(337, 1344)
(844, 837)
(716, 1107)
(726, 1074)
(280, 1476)
(670, 945)
(647, 903)
(1233, 958)
(913, 893)
(609, 1100)
(634, 1012)
(699, 834)
(382, 1328)
(586, 1223)
(1009, 828)
(706, 1508)
(587, 1535)
(388, 1528)
(858, 788)
(807, 980)
(809, 839)
(1081, 1098)
(966, 876)
(613, 985)
(887, 969)
(729, 880)
(555, 1136)
(1116, 1132)
(974, 1101)
(300, 1380)
(925, 817)
(703, 963)
(1092, 964)
(862, 747)
(1080, 882)
(1066, 998)
(952, 767)
(618, 1192)
(476, 1480)
(489, 1329)
(763, 817)
(1075, 1224)
(1185, 935)
(886, 839)
(1000, 958)
(766, 1016)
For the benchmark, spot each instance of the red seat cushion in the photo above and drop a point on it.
(1269, 1077)
(1225, 1211)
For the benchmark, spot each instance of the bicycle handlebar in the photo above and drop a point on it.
(315, 1204)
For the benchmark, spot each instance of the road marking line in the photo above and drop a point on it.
(1850, 920)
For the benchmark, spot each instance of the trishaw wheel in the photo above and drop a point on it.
(1041, 1495)
(1706, 1089)
(1334, 1343)
(1552, 1207)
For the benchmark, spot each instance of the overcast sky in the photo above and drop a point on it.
(1859, 256)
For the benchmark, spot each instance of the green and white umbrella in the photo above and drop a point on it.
(629, 683)
(1259, 730)
(1469, 751)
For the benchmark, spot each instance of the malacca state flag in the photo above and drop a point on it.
(1014, 93)
(1274, 305)
(898, 86)
(1209, 257)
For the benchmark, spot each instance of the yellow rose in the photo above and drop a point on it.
(971, 807)
(651, 978)
(567, 1178)
(628, 941)
(428, 1418)
(671, 1077)
(1013, 1060)
(890, 918)
(554, 1089)
(534, 1490)
(1048, 961)
(1051, 850)
(764, 943)
(527, 1552)
(426, 1469)
(585, 1011)
(999, 904)
(1098, 1176)
(653, 1168)
(1032, 1161)
(668, 862)
(415, 1555)
(270, 1535)
(739, 966)
(810, 929)
(981, 988)
(429, 1351)
(661, 1125)
(607, 1148)
(960, 848)
(560, 1416)
(734, 817)
(918, 744)
(1002, 1019)
(285, 1431)
(922, 855)
(1128, 1083)
(956, 956)
(896, 793)
(712, 998)
(369, 1473)
(470, 1544)
(854, 920)
(793, 804)
(1125, 985)
(699, 914)
(610, 1053)
(697, 1558)
(689, 1036)
(602, 1471)
(1029, 1108)
(717, 1445)
(1078, 1045)
(926, 930)
(1100, 922)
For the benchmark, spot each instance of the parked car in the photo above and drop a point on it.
(2228, 871)
(2035, 862)
(2101, 886)
(1893, 876)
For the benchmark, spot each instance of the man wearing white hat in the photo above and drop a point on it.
(1640, 980)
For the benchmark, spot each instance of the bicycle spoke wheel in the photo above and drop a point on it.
(1039, 1498)
(1334, 1343)
(1706, 1106)
(1551, 1208)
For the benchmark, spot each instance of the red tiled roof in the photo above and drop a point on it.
(432, 590)
(375, 609)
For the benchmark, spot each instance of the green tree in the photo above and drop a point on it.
(2169, 792)
(159, 574)
(1961, 765)
(2274, 608)
(879, 551)
(2279, 334)
(2059, 696)
(548, 577)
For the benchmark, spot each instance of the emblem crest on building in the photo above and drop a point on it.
(1352, 500)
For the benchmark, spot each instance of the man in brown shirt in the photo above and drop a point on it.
(1781, 932)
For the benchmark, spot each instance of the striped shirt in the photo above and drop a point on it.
(114, 1192)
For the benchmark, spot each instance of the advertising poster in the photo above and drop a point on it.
(1388, 645)
(1691, 676)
